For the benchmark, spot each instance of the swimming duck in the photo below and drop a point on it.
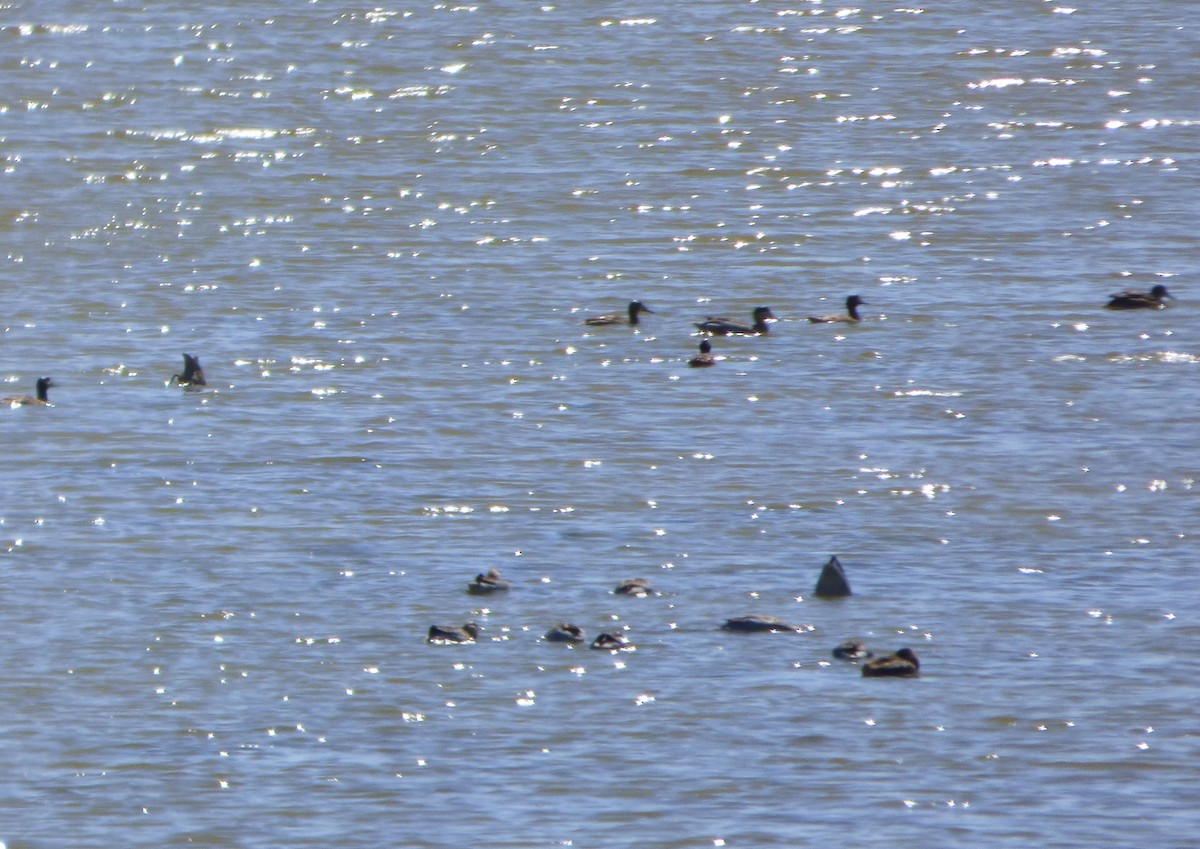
(832, 583)
(192, 375)
(852, 650)
(639, 587)
(719, 326)
(1152, 300)
(487, 582)
(43, 383)
(468, 633)
(611, 642)
(704, 358)
(756, 624)
(850, 316)
(902, 664)
(635, 309)
(564, 632)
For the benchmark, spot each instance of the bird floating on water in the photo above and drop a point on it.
(1129, 300)
(850, 316)
(193, 374)
(631, 318)
(611, 642)
(43, 383)
(564, 632)
(721, 326)
(902, 664)
(833, 582)
(852, 650)
(757, 624)
(639, 587)
(487, 582)
(468, 633)
(705, 358)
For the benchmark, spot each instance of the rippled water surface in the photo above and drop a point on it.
(381, 228)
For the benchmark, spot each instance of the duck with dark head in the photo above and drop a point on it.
(902, 664)
(40, 400)
(193, 374)
(721, 326)
(1128, 300)
(630, 317)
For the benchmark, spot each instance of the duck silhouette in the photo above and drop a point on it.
(902, 664)
(721, 326)
(1152, 300)
(630, 317)
(38, 400)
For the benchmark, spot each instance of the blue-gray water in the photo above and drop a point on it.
(381, 227)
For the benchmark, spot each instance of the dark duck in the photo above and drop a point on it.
(720, 326)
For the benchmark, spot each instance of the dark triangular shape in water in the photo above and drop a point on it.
(832, 583)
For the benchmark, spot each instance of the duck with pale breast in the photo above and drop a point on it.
(850, 316)
(852, 650)
(1152, 300)
(40, 399)
(630, 317)
(721, 326)
(902, 664)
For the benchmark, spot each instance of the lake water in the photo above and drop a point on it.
(381, 228)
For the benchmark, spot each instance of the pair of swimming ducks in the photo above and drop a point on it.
(193, 375)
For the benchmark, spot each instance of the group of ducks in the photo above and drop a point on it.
(193, 373)
(1155, 299)
(721, 326)
(832, 584)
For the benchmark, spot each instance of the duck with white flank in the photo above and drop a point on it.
(1152, 300)
(639, 587)
(43, 383)
(720, 326)
(636, 308)
(611, 642)
(852, 650)
(850, 316)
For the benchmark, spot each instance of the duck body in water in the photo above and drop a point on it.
(902, 664)
(757, 625)
(488, 582)
(1152, 300)
(705, 358)
(193, 374)
(468, 633)
(41, 399)
(636, 308)
(564, 632)
(850, 316)
(721, 326)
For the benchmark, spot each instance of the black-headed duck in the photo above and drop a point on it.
(1152, 300)
(564, 632)
(636, 308)
(720, 326)
(852, 650)
(43, 384)
(487, 582)
(757, 624)
(193, 374)
(902, 664)
(468, 633)
(833, 582)
(850, 316)
(639, 587)
(611, 642)
(705, 358)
